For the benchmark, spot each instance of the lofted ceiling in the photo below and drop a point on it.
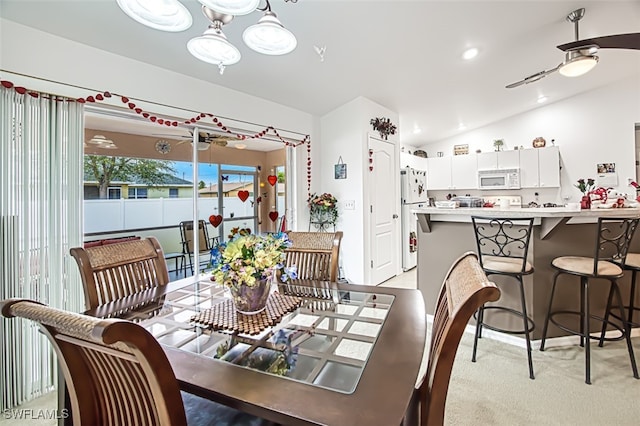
(404, 55)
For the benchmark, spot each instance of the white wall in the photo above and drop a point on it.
(48, 57)
(595, 127)
(345, 134)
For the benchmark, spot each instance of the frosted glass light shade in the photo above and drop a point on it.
(577, 65)
(213, 47)
(232, 7)
(269, 36)
(164, 15)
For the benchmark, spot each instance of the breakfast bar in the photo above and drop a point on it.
(443, 234)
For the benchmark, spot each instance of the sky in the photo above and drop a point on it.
(206, 172)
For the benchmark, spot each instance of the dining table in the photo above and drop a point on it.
(321, 353)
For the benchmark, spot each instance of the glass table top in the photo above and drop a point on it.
(326, 342)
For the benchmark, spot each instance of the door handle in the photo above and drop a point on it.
(395, 216)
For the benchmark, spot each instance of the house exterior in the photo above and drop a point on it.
(172, 187)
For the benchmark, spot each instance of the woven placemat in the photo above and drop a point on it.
(223, 316)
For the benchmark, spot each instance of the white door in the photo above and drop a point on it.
(383, 209)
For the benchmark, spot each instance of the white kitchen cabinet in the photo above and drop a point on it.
(438, 173)
(413, 161)
(456, 172)
(498, 160)
(540, 167)
(464, 171)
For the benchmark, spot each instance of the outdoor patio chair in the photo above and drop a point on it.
(205, 243)
(117, 373)
(465, 288)
(111, 272)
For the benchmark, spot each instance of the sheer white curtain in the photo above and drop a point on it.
(41, 152)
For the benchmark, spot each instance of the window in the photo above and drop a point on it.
(113, 193)
(137, 192)
(173, 192)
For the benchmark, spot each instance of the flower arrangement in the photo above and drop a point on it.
(249, 259)
(237, 230)
(323, 208)
(585, 187)
(384, 126)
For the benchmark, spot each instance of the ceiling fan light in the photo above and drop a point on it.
(202, 146)
(232, 7)
(577, 64)
(100, 140)
(213, 47)
(163, 15)
(269, 36)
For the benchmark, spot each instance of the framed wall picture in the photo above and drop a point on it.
(460, 149)
(340, 170)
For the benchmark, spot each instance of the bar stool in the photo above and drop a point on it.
(631, 263)
(612, 242)
(503, 244)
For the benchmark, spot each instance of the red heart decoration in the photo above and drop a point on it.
(138, 110)
(152, 118)
(272, 179)
(91, 99)
(160, 121)
(243, 195)
(215, 220)
(124, 99)
(145, 114)
(21, 90)
(131, 105)
(273, 216)
(7, 84)
(80, 100)
(107, 94)
(99, 97)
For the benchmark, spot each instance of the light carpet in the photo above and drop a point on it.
(496, 389)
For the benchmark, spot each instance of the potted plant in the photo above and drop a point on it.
(323, 208)
(498, 144)
(246, 265)
(384, 126)
(585, 188)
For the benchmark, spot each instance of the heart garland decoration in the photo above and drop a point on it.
(215, 220)
(272, 179)
(273, 216)
(243, 195)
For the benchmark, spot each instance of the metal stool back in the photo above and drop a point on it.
(503, 246)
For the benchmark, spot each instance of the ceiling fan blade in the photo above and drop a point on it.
(617, 41)
(533, 77)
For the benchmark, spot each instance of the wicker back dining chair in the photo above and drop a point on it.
(117, 373)
(111, 272)
(315, 254)
(465, 288)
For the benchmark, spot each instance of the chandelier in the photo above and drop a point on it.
(268, 36)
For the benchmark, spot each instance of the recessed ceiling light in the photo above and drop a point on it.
(240, 146)
(470, 53)
(542, 99)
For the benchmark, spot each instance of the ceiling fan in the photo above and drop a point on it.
(580, 56)
(205, 140)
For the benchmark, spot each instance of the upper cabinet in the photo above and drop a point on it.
(412, 161)
(498, 160)
(540, 167)
(456, 172)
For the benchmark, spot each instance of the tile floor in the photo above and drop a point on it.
(405, 280)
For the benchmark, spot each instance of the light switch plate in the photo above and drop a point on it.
(350, 205)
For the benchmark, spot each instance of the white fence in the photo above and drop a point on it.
(111, 217)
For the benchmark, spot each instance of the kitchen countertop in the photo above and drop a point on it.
(546, 217)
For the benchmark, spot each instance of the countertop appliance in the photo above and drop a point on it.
(499, 179)
(469, 201)
(413, 184)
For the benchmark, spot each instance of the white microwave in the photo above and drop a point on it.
(499, 179)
